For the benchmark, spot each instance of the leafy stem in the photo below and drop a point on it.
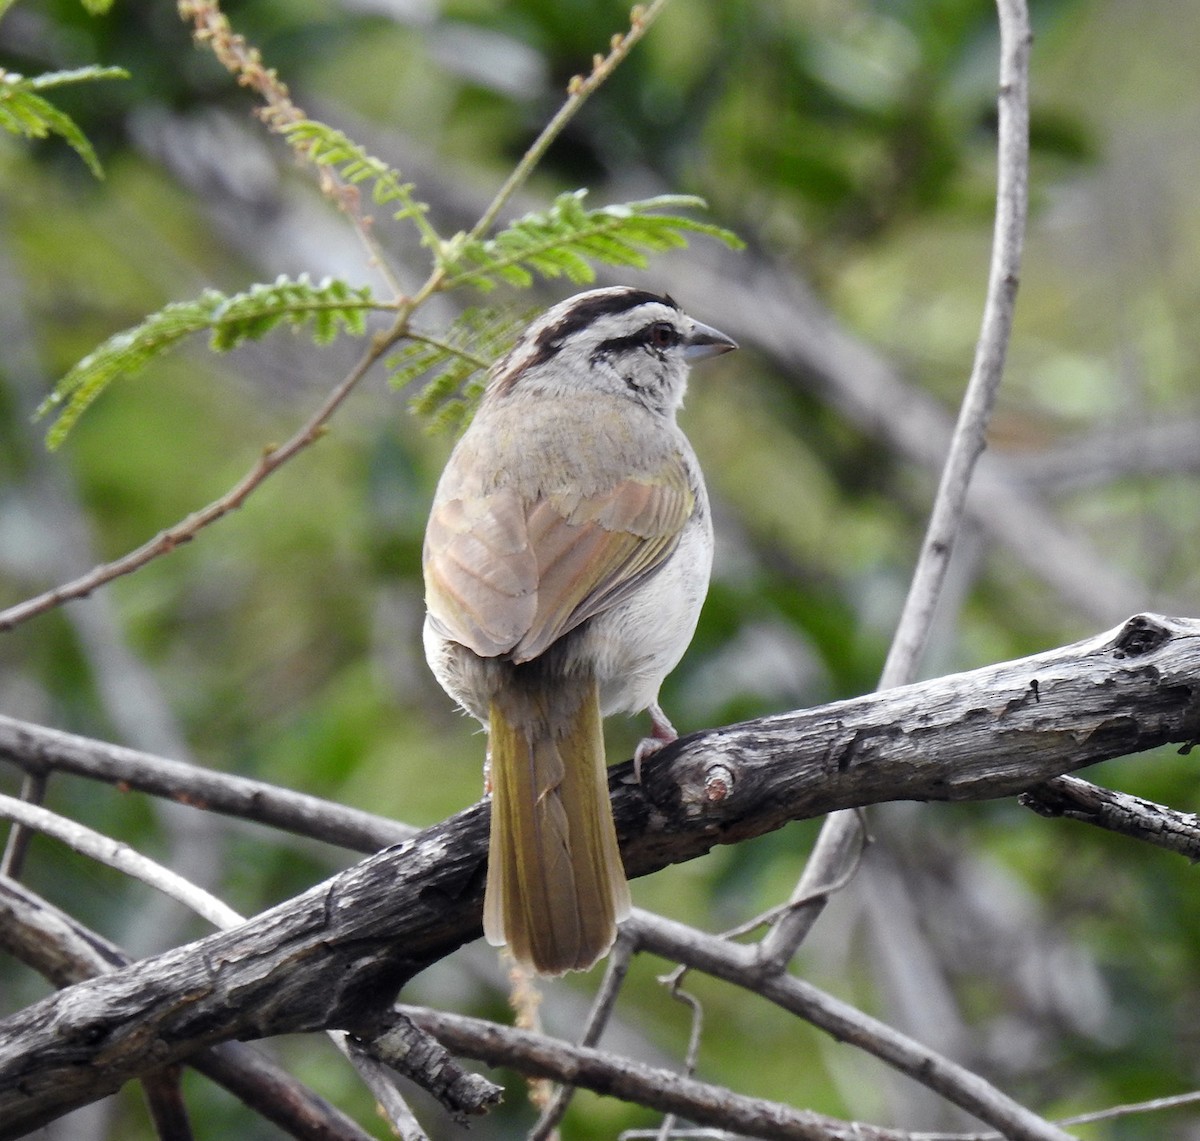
(567, 238)
(330, 307)
(579, 90)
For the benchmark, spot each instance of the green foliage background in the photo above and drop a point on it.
(851, 145)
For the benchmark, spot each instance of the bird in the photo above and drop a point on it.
(566, 558)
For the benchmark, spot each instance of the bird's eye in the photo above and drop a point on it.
(662, 335)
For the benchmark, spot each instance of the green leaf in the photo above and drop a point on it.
(455, 362)
(24, 112)
(330, 306)
(327, 146)
(568, 240)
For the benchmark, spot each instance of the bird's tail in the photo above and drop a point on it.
(556, 887)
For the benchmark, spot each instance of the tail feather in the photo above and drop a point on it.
(556, 887)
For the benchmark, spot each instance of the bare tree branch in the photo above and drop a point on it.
(117, 855)
(163, 1095)
(1076, 799)
(447, 1079)
(970, 434)
(39, 750)
(738, 964)
(16, 846)
(838, 843)
(334, 955)
(64, 951)
(637, 1082)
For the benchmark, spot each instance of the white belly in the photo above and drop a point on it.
(637, 643)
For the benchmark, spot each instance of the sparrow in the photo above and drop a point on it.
(566, 558)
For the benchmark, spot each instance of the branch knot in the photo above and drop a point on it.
(1142, 634)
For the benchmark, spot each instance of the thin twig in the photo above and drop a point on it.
(120, 856)
(667, 1128)
(615, 972)
(379, 1080)
(33, 791)
(970, 434)
(838, 837)
(39, 750)
(737, 964)
(1113, 1113)
(796, 917)
(677, 1135)
(831, 865)
(270, 461)
(578, 92)
(1132, 1109)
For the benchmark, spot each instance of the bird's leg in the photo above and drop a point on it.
(662, 732)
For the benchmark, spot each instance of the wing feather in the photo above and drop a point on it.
(480, 571)
(507, 577)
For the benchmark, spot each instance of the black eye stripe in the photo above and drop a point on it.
(657, 335)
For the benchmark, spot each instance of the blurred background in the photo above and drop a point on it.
(852, 145)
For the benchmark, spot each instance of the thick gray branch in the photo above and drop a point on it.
(65, 951)
(333, 956)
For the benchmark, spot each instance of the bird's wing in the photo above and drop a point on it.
(509, 577)
(480, 571)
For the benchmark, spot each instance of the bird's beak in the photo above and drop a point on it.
(705, 341)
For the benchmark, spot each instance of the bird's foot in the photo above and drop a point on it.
(662, 732)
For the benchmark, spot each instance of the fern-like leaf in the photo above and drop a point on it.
(330, 306)
(25, 112)
(455, 362)
(568, 239)
(327, 146)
